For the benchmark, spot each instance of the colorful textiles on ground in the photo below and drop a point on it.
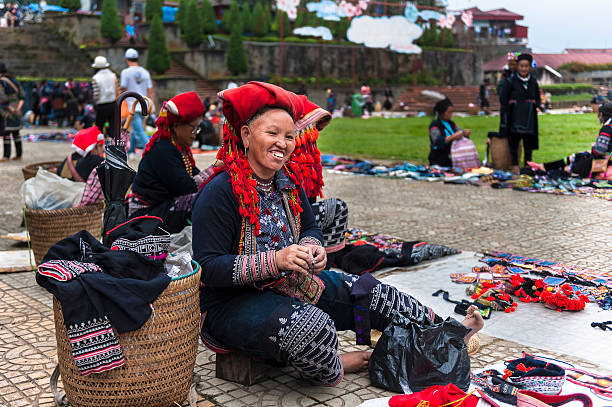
(52, 136)
(478, 177)
(558, 286)
(382, 242)
(367, 252)
(393, 245)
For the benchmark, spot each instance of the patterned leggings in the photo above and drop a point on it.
(332, 217)
(277, 328)
(7, 143)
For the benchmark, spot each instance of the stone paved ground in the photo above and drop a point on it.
(573, 230)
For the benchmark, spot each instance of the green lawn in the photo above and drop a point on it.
(407, 139)
(572, 97)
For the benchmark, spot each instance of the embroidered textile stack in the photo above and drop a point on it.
(529, 381)
(368, 252)
(113, 307)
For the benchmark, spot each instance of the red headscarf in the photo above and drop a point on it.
(85, 140)
(182, 108)
(239, 105)
(306, 154)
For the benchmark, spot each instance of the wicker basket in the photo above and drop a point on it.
(48, 227)
(159, 357)
(29, 171)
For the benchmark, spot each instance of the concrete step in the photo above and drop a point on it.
(36, 50)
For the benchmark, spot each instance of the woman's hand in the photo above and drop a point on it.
(295, 258)
(319, 257)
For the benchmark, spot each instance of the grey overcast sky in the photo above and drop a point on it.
(556, 24)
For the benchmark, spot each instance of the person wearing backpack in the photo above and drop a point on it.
(12, 98)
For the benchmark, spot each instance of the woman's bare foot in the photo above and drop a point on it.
(473, 320)
(355, 361)
(536, 166)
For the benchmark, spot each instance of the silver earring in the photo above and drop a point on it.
(245, 151)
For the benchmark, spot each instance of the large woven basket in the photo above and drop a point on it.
(30, 170)
(48, 227)
(159, 357)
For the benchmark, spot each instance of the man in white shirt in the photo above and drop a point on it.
(137, 79)
(105, 90)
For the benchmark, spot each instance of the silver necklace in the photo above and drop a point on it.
(264, 186)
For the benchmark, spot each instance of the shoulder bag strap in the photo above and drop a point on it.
(75, 175)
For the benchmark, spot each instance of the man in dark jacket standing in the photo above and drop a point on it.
(520, 100)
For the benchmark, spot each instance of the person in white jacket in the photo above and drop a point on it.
(105, 89)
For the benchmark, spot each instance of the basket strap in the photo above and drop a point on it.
(193, 395)
(60, 397)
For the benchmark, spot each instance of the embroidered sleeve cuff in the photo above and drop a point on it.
(310, 240)
(249, 269)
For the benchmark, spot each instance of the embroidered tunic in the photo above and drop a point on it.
(219, 233)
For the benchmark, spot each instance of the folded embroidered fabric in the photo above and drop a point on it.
(64, 270)
(98, 287)
(527, 398)
(535, 375)
(297, 285)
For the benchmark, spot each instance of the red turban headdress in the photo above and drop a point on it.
(306, 154)
(239, 105)
(85, 140)
(182, 108)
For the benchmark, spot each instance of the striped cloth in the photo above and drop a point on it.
(464, 154)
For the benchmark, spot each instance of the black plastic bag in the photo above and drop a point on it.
(410, 356)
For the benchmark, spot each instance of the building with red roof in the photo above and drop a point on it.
(547, 66)
(498, 24)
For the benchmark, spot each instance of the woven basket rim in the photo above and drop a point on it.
(34, 165)
(84, 208)
(196, 268)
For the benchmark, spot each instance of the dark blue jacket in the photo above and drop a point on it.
(162, 174)
(217, 228)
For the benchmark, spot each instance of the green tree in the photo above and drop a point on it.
(449, 39)
(231, 18)
(152, 8)
(341, 28)
(158, 57)
(259, 21)
(110, 24)
(268, 18)
(302, 20)
(246, 19)
(209, 20)
(282, 18)
(236, 56)
(71, 5)
(193, 35)
(181, 14)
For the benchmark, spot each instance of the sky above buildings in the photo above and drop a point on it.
(556, 24)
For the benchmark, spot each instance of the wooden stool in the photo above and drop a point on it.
(239, 368)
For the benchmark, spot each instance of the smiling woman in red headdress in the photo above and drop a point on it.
(167, 177)
(266, 291)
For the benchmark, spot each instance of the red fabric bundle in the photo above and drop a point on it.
(435, 396)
